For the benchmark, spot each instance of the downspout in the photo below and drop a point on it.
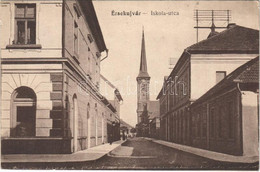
(105, 56)
(63, 28)
(208, 127)
(238, 87)
(63, 63)
(240, 115)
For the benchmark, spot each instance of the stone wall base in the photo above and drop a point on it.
(36, 146)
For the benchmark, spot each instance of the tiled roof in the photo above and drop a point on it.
(234, 39)
(247, 73)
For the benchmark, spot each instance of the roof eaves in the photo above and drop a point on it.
(91, 17)
(220, 33)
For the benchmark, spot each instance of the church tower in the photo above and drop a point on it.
(143, 81)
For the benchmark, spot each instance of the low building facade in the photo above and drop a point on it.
(225, 119)
(113, 99)
(154, 128)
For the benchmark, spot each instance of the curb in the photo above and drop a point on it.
(114, 149)
(65, 161)
(207, 154)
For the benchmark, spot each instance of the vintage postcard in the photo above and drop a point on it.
(129, 85)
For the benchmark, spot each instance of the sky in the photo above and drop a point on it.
(166, 36)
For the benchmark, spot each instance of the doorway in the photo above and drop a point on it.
(23, 121)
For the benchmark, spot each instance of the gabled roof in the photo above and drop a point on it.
(247, 73)
(108, 104)
(236, 39)
(124, 124)
(112, 86)
(177, 67)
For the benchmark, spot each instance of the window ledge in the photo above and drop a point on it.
(24, 46)
(76, 57)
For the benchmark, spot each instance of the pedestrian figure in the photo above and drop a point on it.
(111, 138)
(123, 135)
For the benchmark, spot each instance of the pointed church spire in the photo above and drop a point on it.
(143, 63)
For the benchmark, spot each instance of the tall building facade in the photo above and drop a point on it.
(51, 53)
(143, 81)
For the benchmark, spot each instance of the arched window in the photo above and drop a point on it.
(88, 109)
(96, 123)
(89, 124)
(67, 117)
(23, 119)
(75, 125)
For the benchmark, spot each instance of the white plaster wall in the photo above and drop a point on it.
(250, 123)
(48, 29)
(204, 67)
(50, 25)
(6, 16)
(94, 131)
(42, 86)
(88, 60)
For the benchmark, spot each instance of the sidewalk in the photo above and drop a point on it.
(208, 154)
(91, 154)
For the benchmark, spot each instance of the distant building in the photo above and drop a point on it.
(112, 99)
(225, 119)
(200, 67)
(125, 128)
(51, 53)
(154, 118)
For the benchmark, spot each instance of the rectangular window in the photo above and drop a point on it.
(220, 75)
(218, 123)
(25, 24)
(204, 127)
(212, 123)
(230, 120)
(198, 121)
(90, 38)
(76, 48)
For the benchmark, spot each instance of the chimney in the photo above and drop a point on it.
(231, 25)
(213, 32)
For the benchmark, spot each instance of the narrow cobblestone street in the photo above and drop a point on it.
(139, 153)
